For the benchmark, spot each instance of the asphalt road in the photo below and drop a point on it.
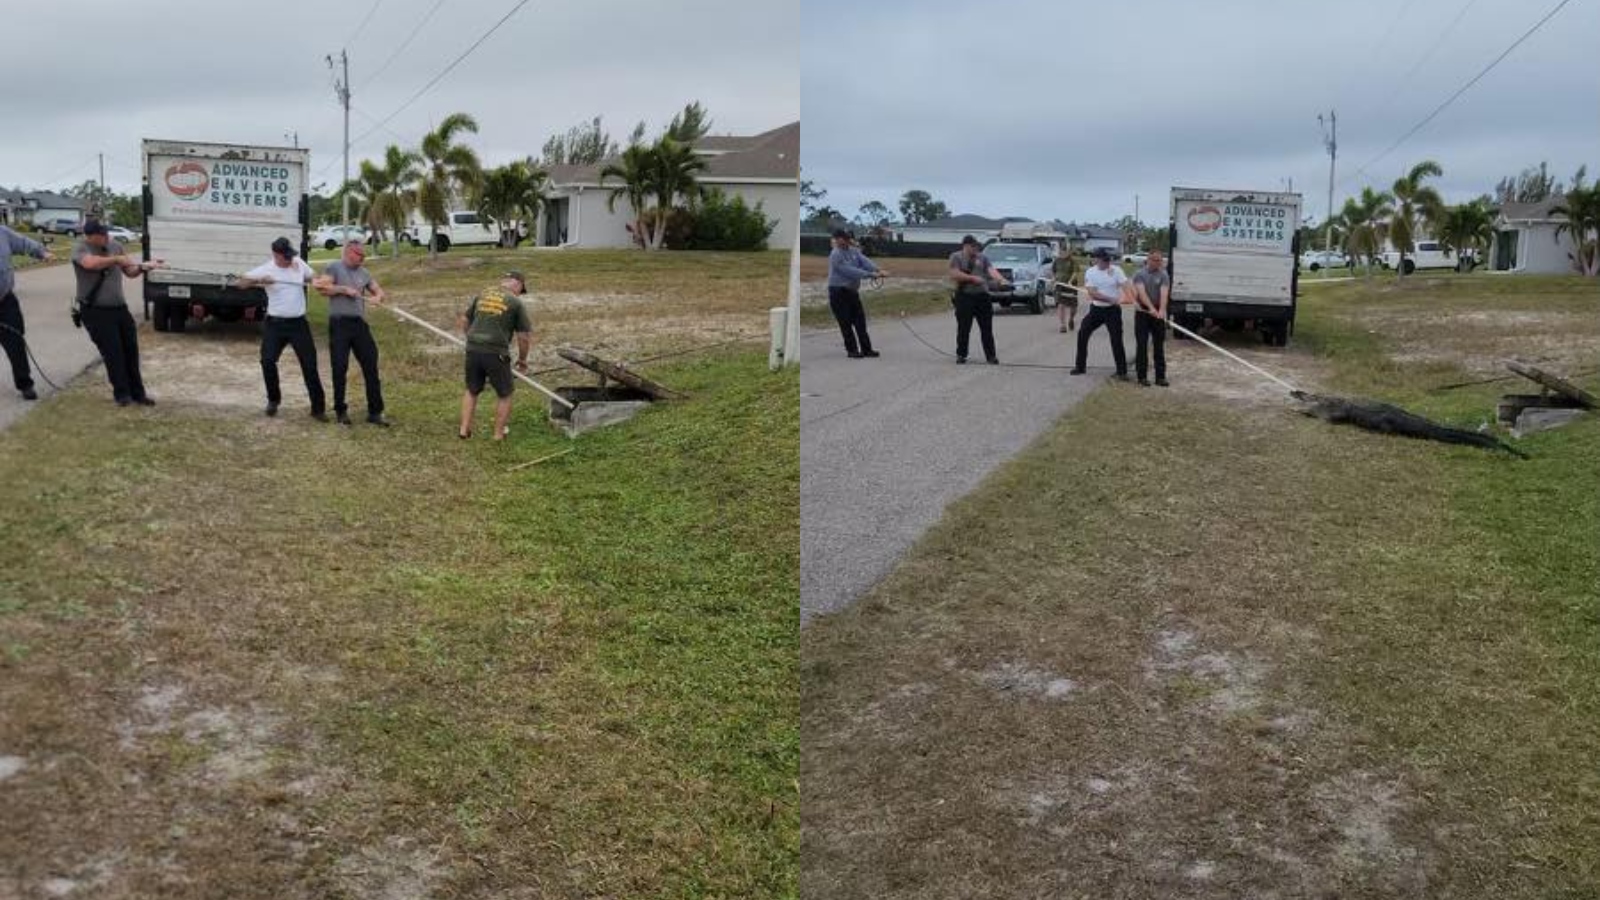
(887, 443)
(62, 350)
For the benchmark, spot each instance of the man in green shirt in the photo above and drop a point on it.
(489, 323)
(1064, 269)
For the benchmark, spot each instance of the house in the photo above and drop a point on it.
(10, 206)
(952, 229)
(1525, 239)
(762, 168)
(45, 206)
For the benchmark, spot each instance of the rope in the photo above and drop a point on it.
(28, 349)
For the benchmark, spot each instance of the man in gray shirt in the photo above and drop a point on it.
(12, 326)
(846, 267)
(1151, 290)
(972, 273)
(347, 283)
(100, 264)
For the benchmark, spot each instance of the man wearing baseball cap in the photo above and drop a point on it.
(489, 323)
(285, 278)
(347, 284)
(1105, 284)
(972, 273)
(100, 264)
(846, 267)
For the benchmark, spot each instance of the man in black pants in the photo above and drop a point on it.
(846, 267)
(1151, 291)
(973, 273)
(99, 264)
(347, 283)
(285, 279)
(1105, 285)
(12, 326)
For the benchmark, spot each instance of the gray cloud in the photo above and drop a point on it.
(1065, 110)
(252, 73)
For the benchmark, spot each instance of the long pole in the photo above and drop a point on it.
(461, 343)
(344, 94)
(791, 331)
(1332, 140)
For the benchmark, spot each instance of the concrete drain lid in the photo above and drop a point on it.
(606, 403)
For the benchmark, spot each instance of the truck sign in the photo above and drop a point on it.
(225, 190)
(1267, 227)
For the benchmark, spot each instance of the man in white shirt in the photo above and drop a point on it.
(1106, 286)
(285, 279)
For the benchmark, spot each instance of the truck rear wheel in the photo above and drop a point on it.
(1407, 267)
(1036, 305)
(441, 243)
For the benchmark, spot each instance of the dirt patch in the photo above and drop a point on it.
(1021, 680)
(395, 869)
(217, 369)
(1194, 369)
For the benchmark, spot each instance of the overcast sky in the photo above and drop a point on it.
(1068, 109)
(255, 72)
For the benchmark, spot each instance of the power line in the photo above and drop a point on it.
(1405, 80)
(439, 77)
(405, 43)
(352, 38)
(1362, 170)
(76, 168)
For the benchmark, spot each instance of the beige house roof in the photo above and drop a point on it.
(1534, 212)
(769, 156)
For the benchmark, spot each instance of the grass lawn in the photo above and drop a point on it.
(1188, 645)
(272, 658)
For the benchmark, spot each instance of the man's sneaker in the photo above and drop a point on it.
(1121, 376)
(344, 418)
(320, 416)
(378, 420)
(994, 361)
(853, 355)
(30, 394)
(145, 401)
(272, 408)
(961, 360)
(1074, 371)
(1063, 329)
(1162, 382)
(1144, 382)
(124, 401)
(871, 354)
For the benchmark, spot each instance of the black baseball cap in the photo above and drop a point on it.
(969, 239)
(1101, 253)
(94, 226)
(517, 275)
(283, 247)
(843, 233)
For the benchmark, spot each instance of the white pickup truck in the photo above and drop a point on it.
(465, 228)
(1430, 255)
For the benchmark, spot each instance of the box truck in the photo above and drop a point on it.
(213, 210)
(1233, 260)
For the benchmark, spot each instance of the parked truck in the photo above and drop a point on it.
(1233, 260)
(213, 210)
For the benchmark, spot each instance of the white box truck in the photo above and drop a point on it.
(213, 210)
(1233, 260)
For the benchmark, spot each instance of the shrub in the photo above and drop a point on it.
(723, 223)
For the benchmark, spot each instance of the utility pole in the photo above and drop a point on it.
(1330, 139)
(1138, 234)
(341, 87)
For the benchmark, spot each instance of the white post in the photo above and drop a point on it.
(778, 316)
(791, 337)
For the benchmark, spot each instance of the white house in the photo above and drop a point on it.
(34, 207)
(762, 168)
(1525, 239)
(952, 229)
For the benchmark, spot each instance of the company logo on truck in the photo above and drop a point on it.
(187, 180)
(1205, 219)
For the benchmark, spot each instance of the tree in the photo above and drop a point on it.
(98, 199)
(513, 192)
(633, 169)
(636, 136)
(919, 206)
(582, 145)
(690, 125)
(366, 192)
(1532, 185)
(875, 214)
(1581, 206)
(1416, 206)
(1362, 220)
(1467, 226)
(811, 196)
(401, 170)
(451, 173)
(673, 175)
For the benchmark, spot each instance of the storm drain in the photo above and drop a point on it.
(618, 396)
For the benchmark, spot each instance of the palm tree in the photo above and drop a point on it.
(1416, 206)
(635, 169)
(674, 176)
(1581, 206)
(451, 173)
(401, 172)
(1362, 220)
(1467, 226)
(513, 192)
(367, 191)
